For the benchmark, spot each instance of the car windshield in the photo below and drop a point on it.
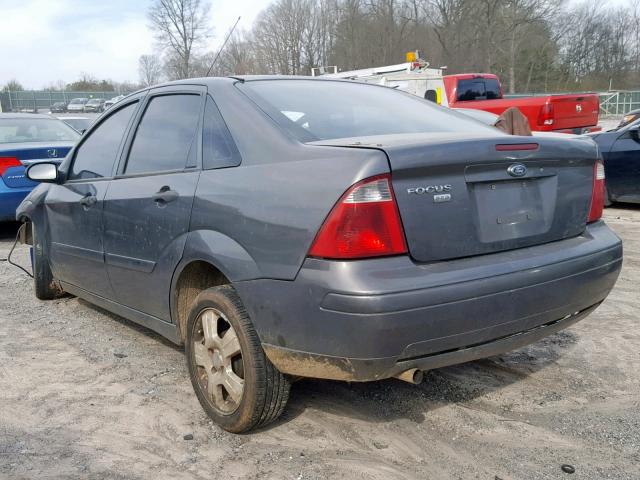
(324, 110)
(79, 100)
(19, 130)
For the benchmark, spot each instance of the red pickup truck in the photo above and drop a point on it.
(570, 113)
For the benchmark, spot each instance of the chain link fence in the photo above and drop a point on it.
(41, 100)
(619, 103)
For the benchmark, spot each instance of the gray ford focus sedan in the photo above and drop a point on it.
(286, 227)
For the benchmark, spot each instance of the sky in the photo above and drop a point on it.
(46, 41)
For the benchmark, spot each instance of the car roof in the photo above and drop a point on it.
(213, 81)
(25, 115)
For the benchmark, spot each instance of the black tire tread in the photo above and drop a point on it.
(273, 387)
(45, 286)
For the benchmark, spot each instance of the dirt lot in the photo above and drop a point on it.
(85, 394)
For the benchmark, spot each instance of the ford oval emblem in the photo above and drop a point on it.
(517, 170)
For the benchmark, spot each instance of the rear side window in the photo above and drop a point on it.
(165, 136)
(97, 154)
(219, 150)
(478, 89)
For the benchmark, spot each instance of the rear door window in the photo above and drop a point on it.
(165, 136)
(97, 154)
(219, 150)
(478, 89)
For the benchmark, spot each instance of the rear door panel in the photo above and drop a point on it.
(144, 240)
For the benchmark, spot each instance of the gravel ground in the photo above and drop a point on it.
(86, 394)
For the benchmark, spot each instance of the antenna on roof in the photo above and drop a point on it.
(223, 45)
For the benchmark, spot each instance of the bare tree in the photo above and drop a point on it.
(12, 86)
(535, 45)
(180, 27)
(149, 69)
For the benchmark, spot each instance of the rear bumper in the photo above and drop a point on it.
(10, 198)
(578, 130)
(367, 320)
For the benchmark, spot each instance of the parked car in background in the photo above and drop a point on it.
(95, 105)
(109, 103)
(568, 113)
(80, 124)
(58, 107)
(297, 227)
(630, 117)
(620, 149)
(76, 105)
(26, 139)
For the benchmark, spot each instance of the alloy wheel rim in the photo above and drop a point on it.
(218, 359)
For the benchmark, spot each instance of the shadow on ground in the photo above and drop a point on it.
(8, 230)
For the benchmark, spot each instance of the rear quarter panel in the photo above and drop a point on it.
(273, 204)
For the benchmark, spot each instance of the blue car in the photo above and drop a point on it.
(25, 139)
(620, 149)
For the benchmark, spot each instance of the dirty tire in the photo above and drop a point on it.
(265, 390)
(46, 288)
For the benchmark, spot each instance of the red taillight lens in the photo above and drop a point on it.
(597, 197)
(8, 162)
(546, 115)
(364, 223)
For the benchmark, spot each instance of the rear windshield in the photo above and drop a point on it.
(325, 110)
(24, 130)
(478, 89)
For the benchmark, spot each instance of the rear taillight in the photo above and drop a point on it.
(546, 115)
(597, 196)
(8, 162)
(364, 223)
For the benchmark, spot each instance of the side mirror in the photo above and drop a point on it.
(43, 172)
(634, 132)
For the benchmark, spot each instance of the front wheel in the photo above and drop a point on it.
(46, 288)
(234, 381)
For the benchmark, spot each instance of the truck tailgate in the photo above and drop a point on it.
(575, 111)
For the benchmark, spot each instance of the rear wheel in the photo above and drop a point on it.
(46, 288)
(234, 381)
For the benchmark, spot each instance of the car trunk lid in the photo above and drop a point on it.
(460, 196)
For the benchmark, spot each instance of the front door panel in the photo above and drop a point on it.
(74, 212)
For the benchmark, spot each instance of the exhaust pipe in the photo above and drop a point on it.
(413, 375)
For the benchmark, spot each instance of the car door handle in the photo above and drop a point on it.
(88, 201)
(164, 196)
